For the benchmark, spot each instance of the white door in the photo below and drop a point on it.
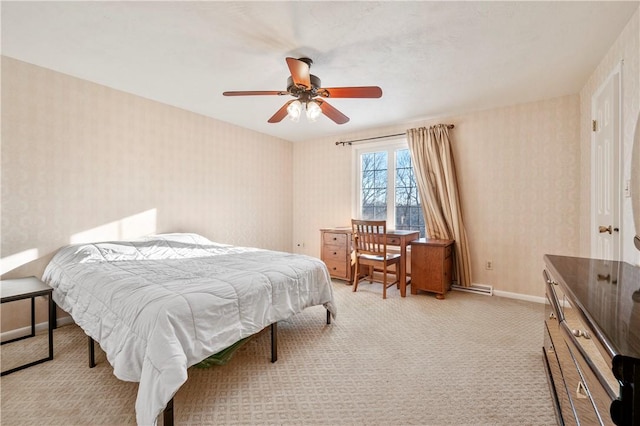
(605, 170)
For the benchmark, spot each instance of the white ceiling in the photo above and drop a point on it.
(430, 58)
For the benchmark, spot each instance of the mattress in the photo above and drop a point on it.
(163, 303)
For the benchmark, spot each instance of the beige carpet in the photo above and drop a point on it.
(466, 360)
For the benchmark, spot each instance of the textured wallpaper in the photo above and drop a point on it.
(83, 162)
(524, 175)
(625, 51)
(519, 172)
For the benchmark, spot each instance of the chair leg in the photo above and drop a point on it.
(384, 283)
(355, 277)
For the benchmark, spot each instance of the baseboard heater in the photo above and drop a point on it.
(487, 290)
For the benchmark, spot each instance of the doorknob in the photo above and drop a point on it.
(604, 229)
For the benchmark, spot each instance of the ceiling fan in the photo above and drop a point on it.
(308, 93)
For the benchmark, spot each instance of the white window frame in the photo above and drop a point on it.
(390, 146)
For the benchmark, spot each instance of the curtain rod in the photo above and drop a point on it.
(449, 126)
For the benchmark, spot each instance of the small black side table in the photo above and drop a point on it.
(28, 288)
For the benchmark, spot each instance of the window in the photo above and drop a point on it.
(387, 187)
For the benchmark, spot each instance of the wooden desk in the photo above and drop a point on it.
(331, 247)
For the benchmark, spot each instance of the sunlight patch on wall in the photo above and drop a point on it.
(15, 260)
(130, 227)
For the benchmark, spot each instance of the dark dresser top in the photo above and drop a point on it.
(608, 295)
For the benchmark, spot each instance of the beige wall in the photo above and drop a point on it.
(626, 48)
(519, 180)
(83, 162)
(524, 172)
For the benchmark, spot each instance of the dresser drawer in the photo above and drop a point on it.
(337, 253)
(337, 268)
(583, 396)
(335, 239)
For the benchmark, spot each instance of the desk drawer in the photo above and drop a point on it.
(335, 239)
(393, 241)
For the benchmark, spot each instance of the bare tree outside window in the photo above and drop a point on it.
(376, 186)
(408, 209)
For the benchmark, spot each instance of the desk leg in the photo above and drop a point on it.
(403, 268)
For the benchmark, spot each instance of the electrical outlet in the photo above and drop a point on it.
(300, 245)
(488, 265)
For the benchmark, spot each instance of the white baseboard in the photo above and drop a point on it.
(519, 296)
(488, 290)
(484, 289)
(43, 326)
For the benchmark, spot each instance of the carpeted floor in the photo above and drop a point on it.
(467, 360)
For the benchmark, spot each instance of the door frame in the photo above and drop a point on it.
(618, 174)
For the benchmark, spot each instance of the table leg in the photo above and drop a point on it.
(52, 307)
(403, 268)
(33, 317)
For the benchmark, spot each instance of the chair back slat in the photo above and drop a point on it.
(370, 244)
(370, 236)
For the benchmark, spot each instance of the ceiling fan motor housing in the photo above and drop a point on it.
(298, 91)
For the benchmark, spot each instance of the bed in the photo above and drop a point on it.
(163, 303)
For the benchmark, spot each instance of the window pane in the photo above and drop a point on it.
(374, 185)
(408, 209)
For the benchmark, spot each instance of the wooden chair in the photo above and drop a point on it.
(370, 245)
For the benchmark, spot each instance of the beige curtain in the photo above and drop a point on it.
(435, 174)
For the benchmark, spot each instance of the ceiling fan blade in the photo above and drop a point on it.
(299, 72)
(351, 92)
(280, 114)
(255, 93)
(331, 112)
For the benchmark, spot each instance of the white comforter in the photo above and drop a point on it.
(164, 303)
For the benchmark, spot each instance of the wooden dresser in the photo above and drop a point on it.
(336, 248)
(431, 266)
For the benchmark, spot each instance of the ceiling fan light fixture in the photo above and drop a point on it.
(313, 111)
(305, 86)
(293, 110)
